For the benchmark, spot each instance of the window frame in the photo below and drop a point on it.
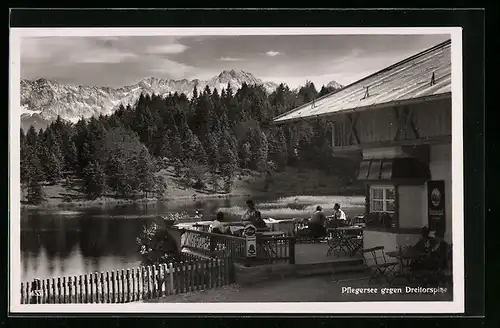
(384, 198)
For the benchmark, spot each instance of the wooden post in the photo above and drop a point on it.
(190, 275)
(103, 300)
(92, 288)
(39, 291)
(122, 277)
(291, 250)
(23, 294)
(143, 283)
(80, 283)
(112, 286)
(134, 283)
(210, 273)
(64, 289)
(128, 286)
(108, 289)
(161, 279)
(97, 289)
(59, 290)
(149, 271)
(32, 293)
(203, 270)
(153, 281)
(171, 278)
(139, 290)
(44, 292)
(75, 285)
(183, 276)
(86, 292)
(50, 295)
(70, 289)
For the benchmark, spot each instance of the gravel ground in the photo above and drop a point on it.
(310, 289)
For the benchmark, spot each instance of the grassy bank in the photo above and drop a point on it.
(290, 182)
(302, 206)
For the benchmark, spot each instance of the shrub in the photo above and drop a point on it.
(155, 244)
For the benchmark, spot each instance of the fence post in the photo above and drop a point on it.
(171, 277)
(33, 292)
(291, 251)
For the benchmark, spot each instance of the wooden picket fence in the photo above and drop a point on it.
(129, 285)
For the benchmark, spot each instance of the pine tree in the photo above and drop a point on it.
(23, 157)
(228, 164)
(259, 149)
(245, 155)
(282, 155)
(33, 176)
(145, 171)
(31, 136)
(94, 180)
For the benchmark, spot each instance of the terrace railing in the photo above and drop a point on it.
(213, 245)
(275, 249)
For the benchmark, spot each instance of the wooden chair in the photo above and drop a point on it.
(337, 243)
(376, 261)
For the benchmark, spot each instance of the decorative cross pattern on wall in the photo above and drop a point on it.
(404, 117)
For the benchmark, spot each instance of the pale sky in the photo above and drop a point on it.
(292, 59)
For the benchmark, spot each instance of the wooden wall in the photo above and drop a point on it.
(431, 120)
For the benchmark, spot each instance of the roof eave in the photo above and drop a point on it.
(405, 102)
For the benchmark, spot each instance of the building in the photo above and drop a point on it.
(399, 119)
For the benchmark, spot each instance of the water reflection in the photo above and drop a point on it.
(63, 243)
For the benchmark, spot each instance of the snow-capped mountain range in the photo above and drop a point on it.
(43, 100)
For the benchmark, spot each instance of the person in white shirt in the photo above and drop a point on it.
(338, 213)
(217, 225)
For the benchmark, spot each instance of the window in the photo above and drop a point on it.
(382, 199)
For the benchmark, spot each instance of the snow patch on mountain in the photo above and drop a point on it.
(335, 85)
(43, 100)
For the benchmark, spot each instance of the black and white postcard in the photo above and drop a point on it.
(219, 170)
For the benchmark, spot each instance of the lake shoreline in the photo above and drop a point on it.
(119, 202)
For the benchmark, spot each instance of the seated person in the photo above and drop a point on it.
(425, 243)
(439, 252)
(317, 223)
(250, 213)
(436, 256)
(257, 221)
(217, 225)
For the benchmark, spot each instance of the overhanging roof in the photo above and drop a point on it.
(406, 81)
(393, 169)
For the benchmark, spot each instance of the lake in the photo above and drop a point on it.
(71, 242)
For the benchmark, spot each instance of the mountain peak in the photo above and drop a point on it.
(48, 99)
(335, 85)
(231, 73)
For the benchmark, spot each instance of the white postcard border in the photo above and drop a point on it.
(455, 306)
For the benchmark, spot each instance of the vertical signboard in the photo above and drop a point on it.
(436, 205)
(251, 240)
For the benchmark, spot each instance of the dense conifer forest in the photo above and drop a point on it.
(206, 139)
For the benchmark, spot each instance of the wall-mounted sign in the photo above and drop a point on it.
(251, 240)
(249, 230)
(436, 205)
